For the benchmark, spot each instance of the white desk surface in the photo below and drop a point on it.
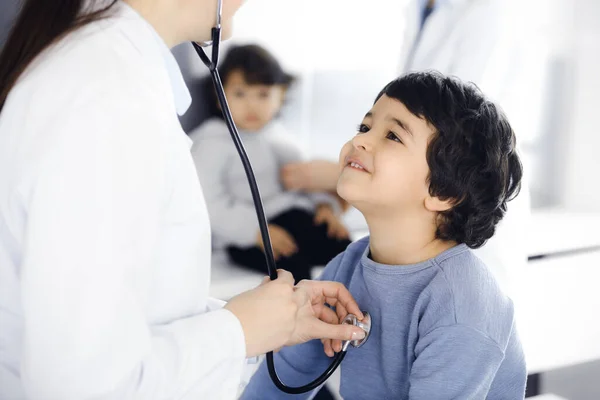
(556, 230)
(557, 303)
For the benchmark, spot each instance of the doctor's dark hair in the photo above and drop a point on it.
(39, 24)
(472, 156)
(258, 66)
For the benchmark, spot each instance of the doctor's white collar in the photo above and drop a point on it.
(152, 43)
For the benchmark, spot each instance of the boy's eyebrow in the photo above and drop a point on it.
(398, 122)
(402, 125)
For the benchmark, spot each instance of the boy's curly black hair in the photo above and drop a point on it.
(472, 156)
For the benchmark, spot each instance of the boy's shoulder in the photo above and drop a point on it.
(468, 277)
(343, 264)
(358, 247)
(473, 298)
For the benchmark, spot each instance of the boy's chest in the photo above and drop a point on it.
(380, 369)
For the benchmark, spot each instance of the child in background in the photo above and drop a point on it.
(431, 168)
(305, 229)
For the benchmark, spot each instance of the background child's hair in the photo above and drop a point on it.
(258, 66)
(472, 156)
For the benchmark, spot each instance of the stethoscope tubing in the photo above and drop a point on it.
(258, 205)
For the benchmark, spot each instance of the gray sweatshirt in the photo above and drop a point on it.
(442, 329)
(226, 191)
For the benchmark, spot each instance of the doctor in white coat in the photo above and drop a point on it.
(460, 38)
(104, 234)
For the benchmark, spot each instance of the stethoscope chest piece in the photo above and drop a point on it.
(365, 325)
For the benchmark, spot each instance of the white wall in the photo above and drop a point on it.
(582, 190)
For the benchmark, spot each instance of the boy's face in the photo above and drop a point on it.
(252, 106)
(384, 167)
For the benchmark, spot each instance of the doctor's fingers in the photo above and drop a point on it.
(323, 330)
(327, 348)
(332, 293)
(301, 297)
(341, 313)
(330, 347)
(285, 278)
(328, 315)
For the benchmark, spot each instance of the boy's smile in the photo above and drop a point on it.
(385, 164)
(354, 162)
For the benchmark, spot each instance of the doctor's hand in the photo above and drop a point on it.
(277, 314)
(316, 320)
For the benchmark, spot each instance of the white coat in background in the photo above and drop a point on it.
(461, 38)
(104, 234)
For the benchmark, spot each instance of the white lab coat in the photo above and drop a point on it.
(104, 234)
(461, 38)
(458, 38)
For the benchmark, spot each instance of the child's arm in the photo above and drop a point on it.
(211, 156)
(295, 366)
(288, 151)
(457, 362)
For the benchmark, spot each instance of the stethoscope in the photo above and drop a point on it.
(350, 319)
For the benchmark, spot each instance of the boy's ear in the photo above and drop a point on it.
(435, 204)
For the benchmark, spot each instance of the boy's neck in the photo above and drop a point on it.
(404, 239)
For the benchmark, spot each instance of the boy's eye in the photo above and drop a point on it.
(393, 136)
(239, 93)
(263, 95)
(362, 128)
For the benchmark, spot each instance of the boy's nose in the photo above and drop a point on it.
(362, 142)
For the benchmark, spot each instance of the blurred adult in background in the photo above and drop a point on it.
(455, 37)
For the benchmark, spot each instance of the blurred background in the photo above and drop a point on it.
(542, 71)
(539, 59)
